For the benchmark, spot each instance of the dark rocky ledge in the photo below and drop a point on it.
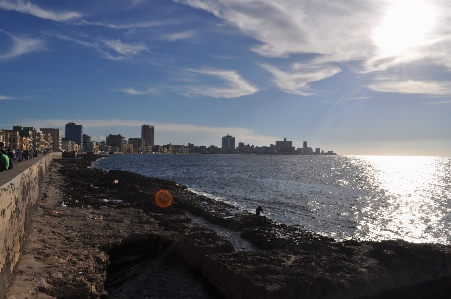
(291, 263)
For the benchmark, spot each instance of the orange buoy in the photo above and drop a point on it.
(163, 198)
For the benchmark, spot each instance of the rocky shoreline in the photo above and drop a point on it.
(86, 217)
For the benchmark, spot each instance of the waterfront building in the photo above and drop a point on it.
(228, 142)
(56, 137)
(284, 147)
(138, 145)
(103, 147)
(317, 151)
(12, 139)
(85, 140)
(92, 146)
(69, 145)
(2, 138)
(147, 133)
(74, 132)
(213, 149)
(117, 142)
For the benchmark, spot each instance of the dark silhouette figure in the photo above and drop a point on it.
(258, 210)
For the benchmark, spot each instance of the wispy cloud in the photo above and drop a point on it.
(105, 46)
(125, 49)
(132, 91)
(136, 25)
(447, 102)
(297, 79)
(377, 35)
(22, 45)
(358, 98)
(236, 86)
(32, 9)
(179, 35)
(338, 28)
(411, 86)
(5, 98)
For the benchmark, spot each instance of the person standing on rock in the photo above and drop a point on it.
(259, 210)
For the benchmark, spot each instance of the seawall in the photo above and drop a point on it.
(19, 190)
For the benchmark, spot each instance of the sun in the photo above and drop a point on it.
(406, 25)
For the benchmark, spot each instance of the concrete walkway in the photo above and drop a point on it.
(19, 167)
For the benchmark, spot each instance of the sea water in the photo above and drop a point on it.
(343, 197)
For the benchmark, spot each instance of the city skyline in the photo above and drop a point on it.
(368, 78)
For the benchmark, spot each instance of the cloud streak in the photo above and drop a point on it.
(297, 79)
(32, 9)
(105, 46)
(22, 45)
(236, 86)
(135, 92)
(179, 36)
(412, 87)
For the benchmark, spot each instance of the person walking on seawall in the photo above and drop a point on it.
(19, 155)
(31, 152)
(4, 161)
(10, 155)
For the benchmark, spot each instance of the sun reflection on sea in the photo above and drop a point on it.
(408, 209)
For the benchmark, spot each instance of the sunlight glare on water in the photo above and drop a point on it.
(411, 208)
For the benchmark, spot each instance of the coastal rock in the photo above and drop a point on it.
(388, 269)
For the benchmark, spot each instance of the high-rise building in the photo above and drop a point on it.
(74, 132)
(147, 133)
(228, 142)
(56, 137)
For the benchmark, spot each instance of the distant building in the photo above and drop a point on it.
(228, 142)
(138, 144)
(147, 133)
(85, 140)
(284, 146)
(74, 132)
(117, 142)
(56, 137)
(92, 146)
(14, 140)
(213, 149)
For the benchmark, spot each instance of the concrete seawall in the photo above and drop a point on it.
(19, 190)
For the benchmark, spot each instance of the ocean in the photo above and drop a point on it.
(343, 197)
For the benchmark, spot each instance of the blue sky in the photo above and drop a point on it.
(356, 77)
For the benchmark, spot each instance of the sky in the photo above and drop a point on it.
(368, 77)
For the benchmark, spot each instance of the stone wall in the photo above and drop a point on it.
(17, 198)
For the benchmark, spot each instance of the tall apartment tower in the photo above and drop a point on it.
(228, 142)
(147, 133)
(74, 132)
